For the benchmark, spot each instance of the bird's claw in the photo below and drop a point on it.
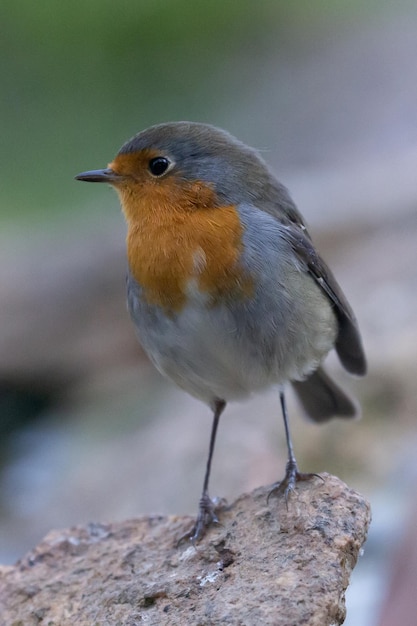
(206, 517)
(290, 480)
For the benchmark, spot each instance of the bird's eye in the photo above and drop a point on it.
(159, 166)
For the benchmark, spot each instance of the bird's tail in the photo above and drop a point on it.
(322, 399)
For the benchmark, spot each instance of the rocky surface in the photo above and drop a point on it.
(265, 563)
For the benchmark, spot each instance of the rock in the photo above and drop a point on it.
(265, 563)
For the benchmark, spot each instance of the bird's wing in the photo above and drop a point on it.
(348, 343)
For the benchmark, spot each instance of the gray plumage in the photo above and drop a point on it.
(299, 311)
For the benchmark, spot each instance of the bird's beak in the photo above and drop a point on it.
(100, 176)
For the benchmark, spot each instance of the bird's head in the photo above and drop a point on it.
(196, 162)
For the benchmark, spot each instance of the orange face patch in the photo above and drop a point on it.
(134, 165)
(177, 233)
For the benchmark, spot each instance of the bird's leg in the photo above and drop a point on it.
(292, 475)
(207, 508)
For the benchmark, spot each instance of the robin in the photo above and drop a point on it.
(225, 287)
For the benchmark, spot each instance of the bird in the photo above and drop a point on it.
(226, 290)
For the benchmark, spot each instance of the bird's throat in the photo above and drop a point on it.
(173, 245)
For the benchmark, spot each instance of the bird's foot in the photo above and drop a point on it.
(291, 478)
(206, 517)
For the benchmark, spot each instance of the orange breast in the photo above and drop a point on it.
(177, 235)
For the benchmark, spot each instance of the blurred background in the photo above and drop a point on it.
(89, 431)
